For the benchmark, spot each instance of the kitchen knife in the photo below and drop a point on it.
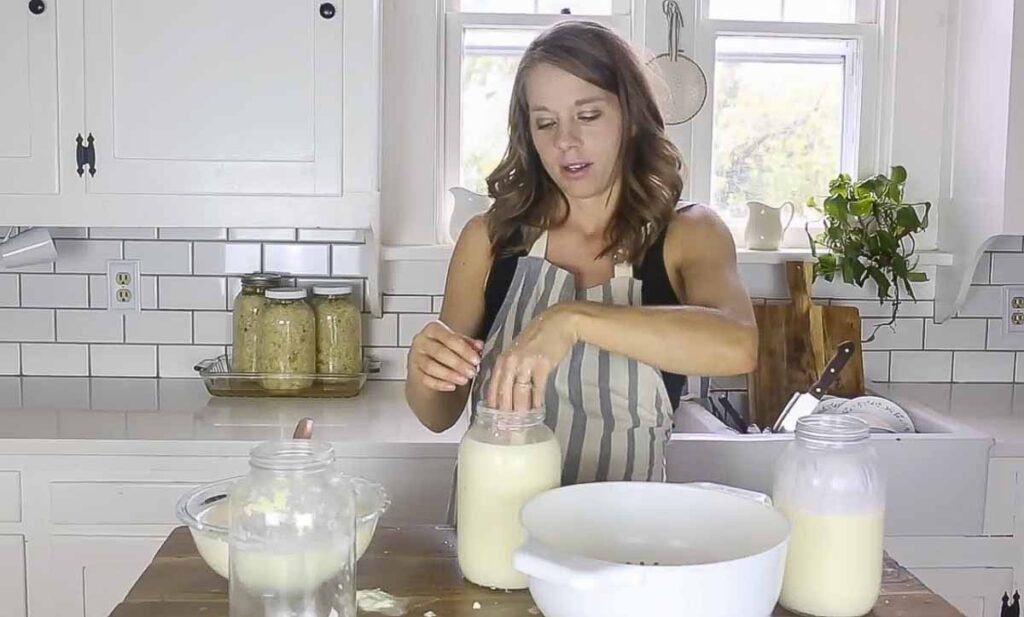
(803, 404)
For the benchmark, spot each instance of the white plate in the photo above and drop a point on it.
(830, 404)
(887, 413)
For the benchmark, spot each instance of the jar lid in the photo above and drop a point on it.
(286, 293)
(332, 290)
(262, 279)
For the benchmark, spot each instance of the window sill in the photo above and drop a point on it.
(443, 252)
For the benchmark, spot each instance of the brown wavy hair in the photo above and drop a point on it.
(527, 200)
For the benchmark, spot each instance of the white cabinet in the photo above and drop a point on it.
(96, 572)
(28, 99)
(984, 164)
(191, 113)
(12, 576)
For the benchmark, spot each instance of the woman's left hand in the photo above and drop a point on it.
(521, 372)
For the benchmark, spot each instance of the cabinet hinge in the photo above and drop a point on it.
(85, 154)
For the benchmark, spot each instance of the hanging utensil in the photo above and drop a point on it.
(803, 404)
(684, 87)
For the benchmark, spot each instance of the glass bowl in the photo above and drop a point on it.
(205, 510)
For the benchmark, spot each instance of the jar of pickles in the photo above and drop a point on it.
(248, 303)
(287, 340)
(339, 334)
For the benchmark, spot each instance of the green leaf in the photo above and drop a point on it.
(907, 218)
(811, 203)
(895, 192)
(917, 277)
(835, 207)
(883, 283)
(862, 207)
(899, 174)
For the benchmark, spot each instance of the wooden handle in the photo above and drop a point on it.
(799, 275)
(304, 429)
(831, 373)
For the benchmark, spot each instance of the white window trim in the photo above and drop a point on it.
(861, 104)
(628, 19)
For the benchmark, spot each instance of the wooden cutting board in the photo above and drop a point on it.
(796, 341)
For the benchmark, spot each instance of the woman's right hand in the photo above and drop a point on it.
(442, 359)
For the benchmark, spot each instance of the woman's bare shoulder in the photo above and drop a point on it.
(698, 233)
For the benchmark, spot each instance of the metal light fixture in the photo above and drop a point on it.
(30, 247)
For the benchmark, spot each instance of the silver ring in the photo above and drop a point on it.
(524, 383)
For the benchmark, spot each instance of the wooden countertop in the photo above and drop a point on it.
(419, 563)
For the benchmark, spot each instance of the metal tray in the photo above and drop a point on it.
(221, 381)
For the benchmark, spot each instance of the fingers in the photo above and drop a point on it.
(522, 396)
(443, 359)
(467, 348)
(444, 355)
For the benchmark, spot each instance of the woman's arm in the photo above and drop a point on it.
(714, 333)
(443, 357)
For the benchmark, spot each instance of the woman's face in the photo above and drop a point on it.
(576, 128)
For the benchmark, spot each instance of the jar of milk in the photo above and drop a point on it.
(292, 534)
(505, 459)
(829, 485)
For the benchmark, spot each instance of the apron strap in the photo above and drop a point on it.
(623, 269)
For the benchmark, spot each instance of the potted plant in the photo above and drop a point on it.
(869, 236)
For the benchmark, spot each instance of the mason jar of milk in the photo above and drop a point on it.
(829, 485)
(505, 459)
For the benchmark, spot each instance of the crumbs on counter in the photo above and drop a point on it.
(476, 606)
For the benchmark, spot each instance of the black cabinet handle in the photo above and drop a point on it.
(90, 156)
(37, 7)
(80, 155)
(327, 10)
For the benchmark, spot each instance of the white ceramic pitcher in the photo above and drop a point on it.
(764, 225)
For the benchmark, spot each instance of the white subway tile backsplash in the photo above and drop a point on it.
(26, 325)
(999, 339)
(392, 363)
(350, 260)
(213, 328)
(86, 256)
(158, 327)
(1013, 244)
(933, 366)
(983, 270)
(1019, 371)
(982, 302)
(983, 366)
(193, 233)
(381, 332)
(407, 304)
(192, 292)
(876, 365)
(54, 291)
(224, 258)
(436, 303)
(872, 308)
(299, 259)
(1007, 268)
(904, 334)
(955, 334)
(9, 295)
(10, 359)
(89, 327)
(99, 298)
(180, 360)
(413, 277)
(123, 360)
(266, 234)
(123, 233)
(161, 257)
(68, 232)
(55, 359)
(350, 236)
(410, 325)
(764, 280)
(33, 269)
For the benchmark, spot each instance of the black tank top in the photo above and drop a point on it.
(655, 291)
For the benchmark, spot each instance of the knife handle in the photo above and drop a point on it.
(831, 373)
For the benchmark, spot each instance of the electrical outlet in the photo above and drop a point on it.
(123, 280)
(1013, 309)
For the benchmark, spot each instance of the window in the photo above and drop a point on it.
(484, 41)
(788, 89)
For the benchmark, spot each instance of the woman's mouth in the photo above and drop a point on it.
(575, 171)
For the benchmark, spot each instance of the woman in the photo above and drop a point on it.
(582, 288)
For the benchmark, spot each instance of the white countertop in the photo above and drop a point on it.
(133, 414)
(996, 410)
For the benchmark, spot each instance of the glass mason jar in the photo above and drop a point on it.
(248, 303)
(292, 535)
(505, 459)
(339, 330)
(829, 485)
(287, 339)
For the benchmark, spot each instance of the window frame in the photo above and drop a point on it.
(861, 105)
(626, 19)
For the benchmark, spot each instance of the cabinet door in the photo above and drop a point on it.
(976, 592)
(93, 574)
(28, 98)
(232, 97)
(12, 576)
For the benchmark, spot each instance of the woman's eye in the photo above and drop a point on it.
(544, 125)
(590, 116)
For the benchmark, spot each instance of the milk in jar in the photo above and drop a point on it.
(505, 459)
(829, 486)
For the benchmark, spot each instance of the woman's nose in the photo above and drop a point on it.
(568, 136)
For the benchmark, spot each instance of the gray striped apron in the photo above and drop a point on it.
(611, 413)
